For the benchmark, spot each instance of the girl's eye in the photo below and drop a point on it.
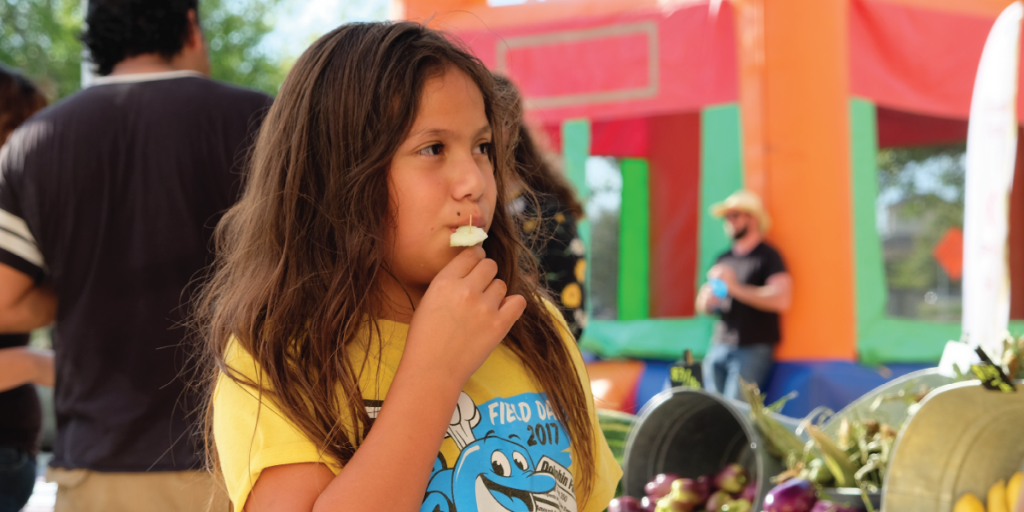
(432, 150)
(484, 149)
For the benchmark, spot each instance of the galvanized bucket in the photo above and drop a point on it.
(890, 412)
(692, 433)
(962, 439)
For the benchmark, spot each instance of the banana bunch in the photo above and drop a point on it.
(1003, 496)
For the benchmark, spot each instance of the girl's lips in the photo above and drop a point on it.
(477, 221)
(453, 228)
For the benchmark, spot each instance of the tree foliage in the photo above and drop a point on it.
(40, 39)
(929, 184)
(234, 30)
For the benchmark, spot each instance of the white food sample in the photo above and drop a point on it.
(467, 236)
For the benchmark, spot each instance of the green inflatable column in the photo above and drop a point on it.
(721, 174)
(634, 241)
(575, 151)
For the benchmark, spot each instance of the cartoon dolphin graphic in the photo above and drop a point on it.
(497, 475)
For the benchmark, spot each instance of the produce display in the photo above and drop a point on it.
(833, 462)
(857, 458)
(1003, 496)
(731, 490)
(1013, 353)
(799, 495)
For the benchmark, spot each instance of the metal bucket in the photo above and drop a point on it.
(962, 439)
(890, 412)
(692, 433)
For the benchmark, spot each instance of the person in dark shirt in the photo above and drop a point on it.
(546, 207)
(108, 200)
(20, 366)
(747, 288)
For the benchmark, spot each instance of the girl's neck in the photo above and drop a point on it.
(400, 302)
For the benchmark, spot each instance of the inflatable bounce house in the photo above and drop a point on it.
(791, 99)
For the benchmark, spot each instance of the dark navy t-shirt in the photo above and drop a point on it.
(111, 197)
(740, 324)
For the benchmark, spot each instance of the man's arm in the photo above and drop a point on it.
(24, 305)
(775, 296)
(24, 365)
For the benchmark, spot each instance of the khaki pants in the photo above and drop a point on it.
(81, 490)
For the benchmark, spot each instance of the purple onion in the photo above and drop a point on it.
(671, 505)
(793, 495)
(717, 500)
(660, 486)
(740, 505)
(828, 506)
(625, 504)
(732, 478)
(704, 486)
(749, 492)
(647, 504)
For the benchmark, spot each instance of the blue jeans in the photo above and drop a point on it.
(17, 478)
(724, 365)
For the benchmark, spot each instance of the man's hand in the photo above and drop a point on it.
(725, 273)
(707, 303)
(23, 305)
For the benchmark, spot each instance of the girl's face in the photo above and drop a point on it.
(440, 178)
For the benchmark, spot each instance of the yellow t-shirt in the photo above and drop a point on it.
(502, 425)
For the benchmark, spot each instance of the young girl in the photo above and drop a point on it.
(362, 362)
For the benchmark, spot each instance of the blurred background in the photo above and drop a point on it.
(849, 117)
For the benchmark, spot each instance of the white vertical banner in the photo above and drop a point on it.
(991, 152)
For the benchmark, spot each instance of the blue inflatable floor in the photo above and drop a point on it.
(832, 384)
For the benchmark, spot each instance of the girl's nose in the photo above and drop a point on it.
(469, 182)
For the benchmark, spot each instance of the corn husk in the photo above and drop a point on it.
(779, 440)
(835, 458)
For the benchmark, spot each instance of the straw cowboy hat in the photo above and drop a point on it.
(747, 202)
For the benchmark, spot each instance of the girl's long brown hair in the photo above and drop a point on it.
(19, 99)
(300, 255)
(536, 171)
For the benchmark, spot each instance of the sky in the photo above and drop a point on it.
(300, 22)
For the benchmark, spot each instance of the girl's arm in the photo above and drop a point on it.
(24, 305)
(24, 365)
(461, 319)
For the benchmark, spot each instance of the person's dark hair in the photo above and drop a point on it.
(19, 99)
(535, 169)
(118, 29)
(299, 257)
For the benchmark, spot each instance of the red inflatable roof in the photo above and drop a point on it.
(610, 59)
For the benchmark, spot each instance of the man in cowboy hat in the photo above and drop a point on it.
(747, 288)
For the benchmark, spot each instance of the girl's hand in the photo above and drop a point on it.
(463, 316)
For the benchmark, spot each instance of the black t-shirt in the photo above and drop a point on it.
(21, 417)
(741, 324)
(111, 197)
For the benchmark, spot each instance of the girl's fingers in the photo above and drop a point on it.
(511, 309)
(464, 263)
(495, 293)
(482, 275)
